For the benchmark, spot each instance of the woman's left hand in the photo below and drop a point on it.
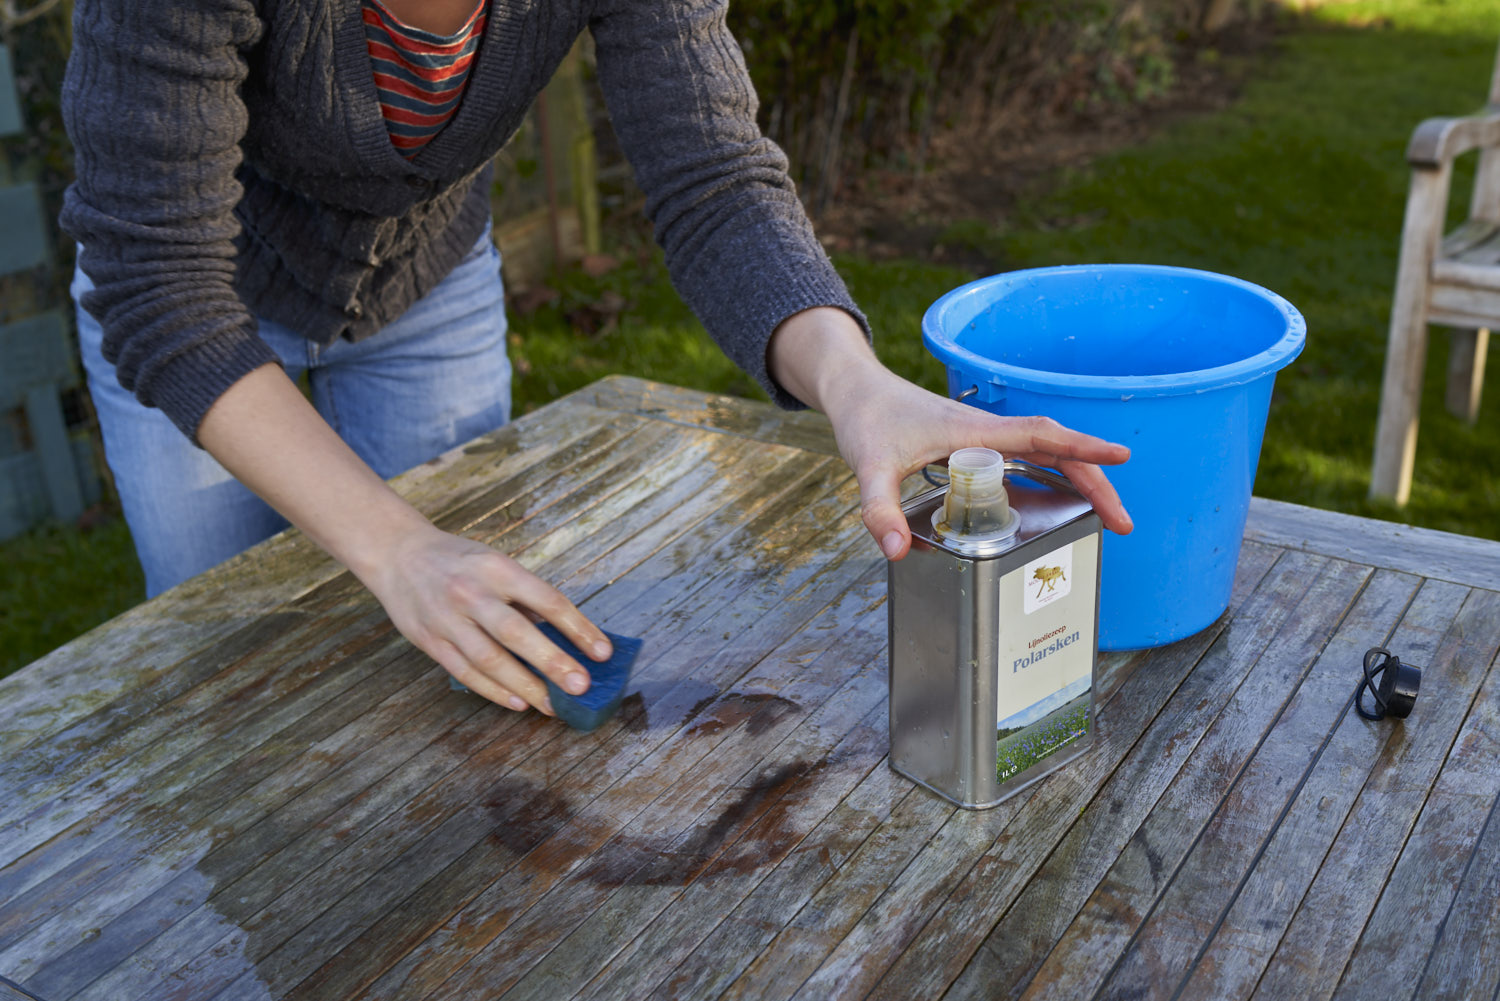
(888, 428)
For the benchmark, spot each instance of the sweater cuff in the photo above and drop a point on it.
(186, 386)
(784, 303)
(741, 302)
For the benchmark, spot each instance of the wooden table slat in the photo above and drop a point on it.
(750, 830)
(637, 969)
(13, 992)
(683, 778)
(221, 703)
(104, 847)
(631, 525)
(85, 816)
(1285, 862)
(549, 477)
(253, 788)
(725, 545)
(882, 799)
(690, 692)
(1187, 881)
(1465, 963)
(139, 648)
(178, 885)
(603, 500)
(1326, 928)
(251, 903)
(799, 429)
(1036, 921)
(1203, 889)
(1121, 719)
(844, 505)
(1163, 753)
(1132, 750)
(1420, 894)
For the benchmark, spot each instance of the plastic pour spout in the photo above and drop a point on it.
(976, 506)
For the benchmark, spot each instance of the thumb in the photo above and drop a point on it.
(880, 506)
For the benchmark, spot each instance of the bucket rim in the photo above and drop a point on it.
(1236, 373)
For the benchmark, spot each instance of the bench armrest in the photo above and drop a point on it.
(1439, 140)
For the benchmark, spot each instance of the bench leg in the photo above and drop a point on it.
(1466, 355)
(1406, 351)
(1400, 403)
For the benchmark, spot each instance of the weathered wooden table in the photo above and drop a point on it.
(253, 788)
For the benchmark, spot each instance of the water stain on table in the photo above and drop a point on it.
(526, 814)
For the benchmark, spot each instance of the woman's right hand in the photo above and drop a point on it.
(466, 606)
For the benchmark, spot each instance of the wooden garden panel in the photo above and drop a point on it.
(10, 104)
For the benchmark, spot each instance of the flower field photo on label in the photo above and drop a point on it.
(1019, 749)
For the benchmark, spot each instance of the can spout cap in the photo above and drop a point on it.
(977, 506)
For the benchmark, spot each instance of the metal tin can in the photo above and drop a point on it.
(994, 643)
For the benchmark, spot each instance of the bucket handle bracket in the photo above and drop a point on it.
(989, 392)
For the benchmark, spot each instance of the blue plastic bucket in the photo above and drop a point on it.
(1175, 363)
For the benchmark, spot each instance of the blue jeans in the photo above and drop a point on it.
(432, 379)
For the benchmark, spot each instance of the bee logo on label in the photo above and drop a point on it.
(1047, 579)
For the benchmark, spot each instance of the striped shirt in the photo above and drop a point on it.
(420, 76)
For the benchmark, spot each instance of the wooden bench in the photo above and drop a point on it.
(1453, 281)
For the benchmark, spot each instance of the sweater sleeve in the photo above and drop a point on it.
(738, 244)
(151, 104)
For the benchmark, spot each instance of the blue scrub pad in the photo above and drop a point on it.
(590, 710)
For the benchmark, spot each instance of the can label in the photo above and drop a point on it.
(1046, 656)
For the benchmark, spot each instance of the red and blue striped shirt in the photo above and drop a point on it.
(420, 76)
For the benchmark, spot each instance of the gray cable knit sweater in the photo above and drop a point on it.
(232, 162)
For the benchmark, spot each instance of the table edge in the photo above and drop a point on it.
(1389, 545)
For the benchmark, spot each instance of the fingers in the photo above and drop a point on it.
(1043, 435)
(1095, 486)
(471, 609)
(549, 603)
(479, 663)
(505, 630)
(1077, 455)
(880, 507)
(459, 666)
(896, 428)
(502, 635)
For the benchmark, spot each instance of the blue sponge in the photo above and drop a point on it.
(590, 710)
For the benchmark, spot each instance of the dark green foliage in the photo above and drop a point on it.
(843, 82)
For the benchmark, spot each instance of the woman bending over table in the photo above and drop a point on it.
(267, 188)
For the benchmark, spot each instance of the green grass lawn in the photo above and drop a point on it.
(57, 583)
(1298, 186)
(658, 338)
